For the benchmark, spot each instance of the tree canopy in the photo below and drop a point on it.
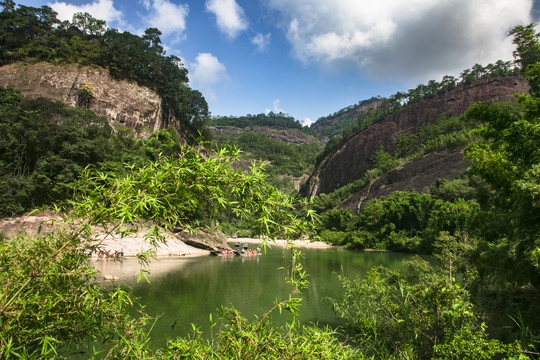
(29, 34)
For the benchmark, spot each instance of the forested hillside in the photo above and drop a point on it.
(29, 35)
(343, 124)
(474, 296)
(342, 120)
(289, 148)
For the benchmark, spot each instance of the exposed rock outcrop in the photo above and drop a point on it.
(351, 160)
(121, 102)
(417, 175)
(176, 244)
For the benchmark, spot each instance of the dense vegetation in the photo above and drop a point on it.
(45, 147)
(287, 161)
(484, 228)
(279, 121)
(29, 34)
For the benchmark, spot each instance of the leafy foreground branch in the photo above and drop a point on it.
(50, 306)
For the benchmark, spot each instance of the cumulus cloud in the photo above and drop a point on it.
(205, 73)
(261, 41)
(230, 17)
(307, 122)
(395, 38)
(168, 17)
(101, 9)
(276, 108)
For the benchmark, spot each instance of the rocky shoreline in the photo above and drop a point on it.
(181, 243)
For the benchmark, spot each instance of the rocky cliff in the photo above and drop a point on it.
(350, 161)
(417, 175)
(121, 102)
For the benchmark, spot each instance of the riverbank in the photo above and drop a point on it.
(179, 244)
(279, 242)
(130, 245)
(134, 244)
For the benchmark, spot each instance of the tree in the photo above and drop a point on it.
(26, 32)
(508, 159)
(527, 45)
(152, 38)
(88, 24)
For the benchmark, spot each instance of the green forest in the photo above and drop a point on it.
(481, 230)
(29, 34)
(286, 162)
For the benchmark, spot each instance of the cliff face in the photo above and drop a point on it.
(416, 175)
(350, 161)
(121, 102)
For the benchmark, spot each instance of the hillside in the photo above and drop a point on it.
(121, 102)
(334, 124)
(417, 175)
(127, 78)
(353, 157)
(288, 148)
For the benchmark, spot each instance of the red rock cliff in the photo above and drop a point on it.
(121, 102)
(350, 161)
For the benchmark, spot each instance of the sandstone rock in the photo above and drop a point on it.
(417, 175)
(120, 101)
(352, 159)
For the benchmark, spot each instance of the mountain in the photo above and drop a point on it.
(121, 102)
(289, 148)
(334, 124)
(354, 157)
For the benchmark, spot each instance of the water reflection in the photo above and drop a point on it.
(187, 290)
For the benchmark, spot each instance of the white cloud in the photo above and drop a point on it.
(261, 41)
(307, 122)
(230, 17)
(168, 17)
(395, 38)
(100, 9)
(206, 73)
(276, 108)
(146, 4)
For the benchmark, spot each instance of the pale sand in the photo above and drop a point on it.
(279, 242)
(135, 244)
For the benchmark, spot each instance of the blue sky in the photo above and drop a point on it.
(310, 58)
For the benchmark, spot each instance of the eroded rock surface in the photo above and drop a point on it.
(351, 160)
(121, 102)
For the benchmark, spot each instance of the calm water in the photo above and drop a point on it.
(188, 290)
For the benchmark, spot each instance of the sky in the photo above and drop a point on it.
(311, 58)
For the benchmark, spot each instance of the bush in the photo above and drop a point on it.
(418, 316)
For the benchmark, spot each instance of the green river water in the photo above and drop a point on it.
(186, 290)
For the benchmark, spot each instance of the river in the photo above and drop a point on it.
(186, 290)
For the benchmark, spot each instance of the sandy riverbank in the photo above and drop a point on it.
(135, 244)
(279, 242)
